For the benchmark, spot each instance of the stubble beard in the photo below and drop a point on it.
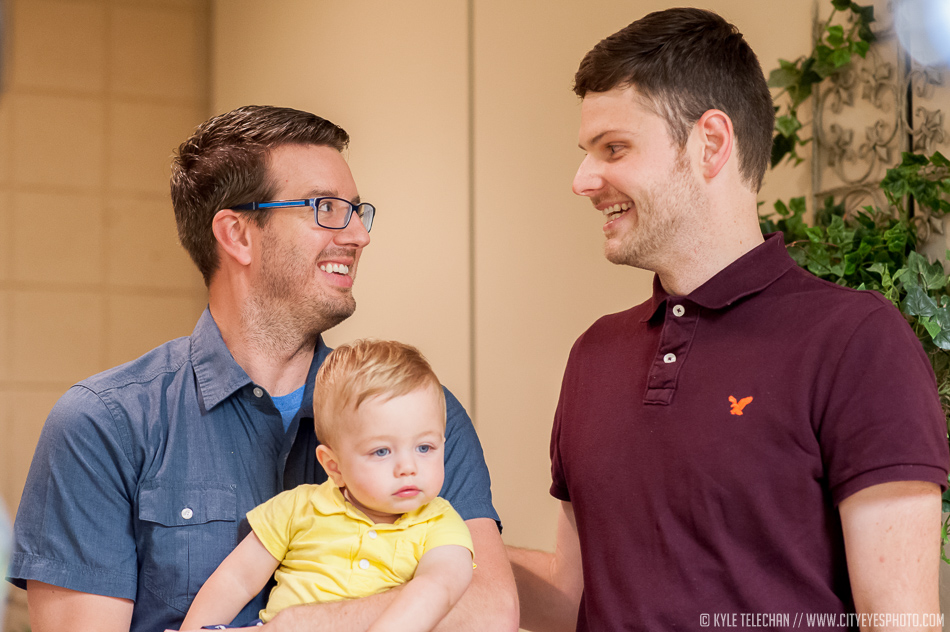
(663, 213)
(284, 313)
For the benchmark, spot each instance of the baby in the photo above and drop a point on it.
(379, 412)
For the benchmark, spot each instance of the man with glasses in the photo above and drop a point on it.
(143, 474)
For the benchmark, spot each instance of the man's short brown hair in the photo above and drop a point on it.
(224, 164)
(684, 62)
(355, 372)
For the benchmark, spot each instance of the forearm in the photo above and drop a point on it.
(350, 615)
(545, 606)
(421, 604)
(550, 585)
(218, 601)
(53, 608)
(892, 542)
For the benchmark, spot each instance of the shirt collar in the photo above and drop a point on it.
(329, 500)
(220, 376)
(751, 273)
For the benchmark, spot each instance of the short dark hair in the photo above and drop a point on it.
(224, 164)
(684, 62)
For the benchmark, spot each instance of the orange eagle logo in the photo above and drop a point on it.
(737, 406)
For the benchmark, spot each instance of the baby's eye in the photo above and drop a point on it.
(381, 452)
(424, 448)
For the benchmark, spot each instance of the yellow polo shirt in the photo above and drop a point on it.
(329, 550)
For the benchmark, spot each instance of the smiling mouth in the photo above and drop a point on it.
(614, 211)
(335, 268)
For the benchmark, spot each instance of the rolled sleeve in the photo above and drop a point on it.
(74, 524)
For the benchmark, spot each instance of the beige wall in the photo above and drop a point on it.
(462, 115)
(97, 95)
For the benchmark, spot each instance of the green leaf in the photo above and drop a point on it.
(781, 147)
(835, 35)
(787, 125)
(841, 5)
(917, 303)
(932, 327)
(841, 57)
(864, 13)
(797, 205)
(860, 48)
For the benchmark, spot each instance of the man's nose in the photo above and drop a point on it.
(354, 235)
(587, 180)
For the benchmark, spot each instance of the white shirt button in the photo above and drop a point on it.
(187, 513)
(678, 310)
(669, 358)
(364, 564)
(258, 391)
(371, 534)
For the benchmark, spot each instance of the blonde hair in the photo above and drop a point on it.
(362, 369)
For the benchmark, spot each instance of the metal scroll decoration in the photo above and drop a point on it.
(870, 112)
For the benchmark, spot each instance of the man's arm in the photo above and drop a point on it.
(550, 584)
(490, 603)
(239, 578)
(53, 609)
(892, 541)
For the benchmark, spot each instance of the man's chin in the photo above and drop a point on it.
(331, 315)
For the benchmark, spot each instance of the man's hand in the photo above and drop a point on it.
(489, 604)
(550, 585)
(892, 541)
(53, 609)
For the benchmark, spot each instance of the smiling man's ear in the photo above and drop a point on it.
(714, 129)
(232, 232)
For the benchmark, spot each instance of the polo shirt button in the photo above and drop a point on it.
(187, 513)
(364, 564)
(258, 391)
(678, 310)
(371, 534)
(669, 358)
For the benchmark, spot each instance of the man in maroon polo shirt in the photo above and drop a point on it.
(752, 446)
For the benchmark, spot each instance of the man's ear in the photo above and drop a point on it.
(232, 232)
(329, 462)
(716, 138)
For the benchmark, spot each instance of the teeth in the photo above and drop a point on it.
(617, 208)
(335, 268)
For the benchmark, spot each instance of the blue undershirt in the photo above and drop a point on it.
(288, 405)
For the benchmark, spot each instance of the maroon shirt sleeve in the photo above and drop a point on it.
(882, 421)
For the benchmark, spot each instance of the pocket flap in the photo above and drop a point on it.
(182, 504)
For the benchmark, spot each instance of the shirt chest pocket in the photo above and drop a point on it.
(184, 531)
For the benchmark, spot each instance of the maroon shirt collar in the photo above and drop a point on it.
(752, 272)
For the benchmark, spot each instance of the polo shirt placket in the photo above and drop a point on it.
(676, 337)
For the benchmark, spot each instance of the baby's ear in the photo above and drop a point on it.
(328, 461)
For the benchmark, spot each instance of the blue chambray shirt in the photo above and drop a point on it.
(144, 473)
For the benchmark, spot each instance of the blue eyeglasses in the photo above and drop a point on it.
(329, 212)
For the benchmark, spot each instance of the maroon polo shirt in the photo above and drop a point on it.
(705, 441)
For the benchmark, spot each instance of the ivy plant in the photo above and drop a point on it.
(797, 79)
(873, 248)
